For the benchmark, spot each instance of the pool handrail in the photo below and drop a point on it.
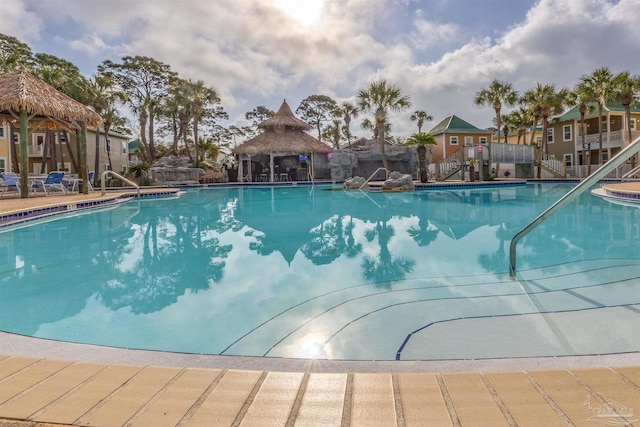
(607, 168)
(386, 175)
(117, 175)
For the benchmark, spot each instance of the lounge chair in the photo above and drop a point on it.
(73, 184)
(10, 182)
(52, 182)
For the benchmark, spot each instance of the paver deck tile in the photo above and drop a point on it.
(567, 393)
(12, 365)
(525, 404)
(612, 390)
(274, 401)
(28, 377)
(77, 403)
(169, 408)
(49, 390)
(128, 400)
(422, 400)
(472, 401)
(226, 400)
(632, 373)
(373, 401)
(323, 401)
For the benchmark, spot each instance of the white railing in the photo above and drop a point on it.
(554, 164)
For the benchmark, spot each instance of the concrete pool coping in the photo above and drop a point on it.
(41, 380)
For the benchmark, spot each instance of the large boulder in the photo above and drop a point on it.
(398, 182)
(355, 183)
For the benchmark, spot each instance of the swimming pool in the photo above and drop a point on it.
(316, 272)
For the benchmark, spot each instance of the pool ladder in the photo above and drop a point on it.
(386, 175)
(630, 150)
(117, 175)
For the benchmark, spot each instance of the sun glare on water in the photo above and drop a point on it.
(306, 12)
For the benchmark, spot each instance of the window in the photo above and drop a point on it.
(604, 126)
(538, 140)
(568, 160)
(3, 164)
(483, 140)
(566, 133)
(16, 137)
(453, 140)
(107, 167)
(123, 169)
(124, 147)
(64, 167)
(633, 124)
(107, 146)
(37, 142)
(468, 141)
(2, 134)
(550, 136)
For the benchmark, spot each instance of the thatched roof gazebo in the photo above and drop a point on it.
(29, 103)
(283, 134)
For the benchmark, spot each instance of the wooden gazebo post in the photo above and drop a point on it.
(24, 154)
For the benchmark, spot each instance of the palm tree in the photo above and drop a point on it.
(201, 97)
(332, 133)
(520, 119)
(347, 111)
(422, 140)
(580, 97)
(599, 86)
(379, 98)
(545, 102)
(626, 90)
(420, 117)
(498, 93)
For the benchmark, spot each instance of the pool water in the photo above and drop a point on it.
(317, 272)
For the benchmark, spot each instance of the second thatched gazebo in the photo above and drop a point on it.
(282, 135)
(29, 103)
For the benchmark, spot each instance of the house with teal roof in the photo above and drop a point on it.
(453, 133)
(565, 141)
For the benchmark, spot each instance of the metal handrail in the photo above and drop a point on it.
(631, 173)
(131, 183)
(617, 160)
(386, 175)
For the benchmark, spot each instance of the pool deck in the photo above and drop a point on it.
(45, 383)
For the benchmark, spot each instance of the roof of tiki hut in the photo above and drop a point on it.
(283, 119)
(21, 90)
(283, 133)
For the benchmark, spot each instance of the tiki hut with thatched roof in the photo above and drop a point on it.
(283, 138)
(30, 104)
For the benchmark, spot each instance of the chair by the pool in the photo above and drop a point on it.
(10, 182)
(53, 181)
(73, 184)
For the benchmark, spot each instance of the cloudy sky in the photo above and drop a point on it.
(259, 52)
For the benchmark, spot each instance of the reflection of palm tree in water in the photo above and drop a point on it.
(385, 269)
(424, 234)
(497, 261)
(330, 240)
(162, 274)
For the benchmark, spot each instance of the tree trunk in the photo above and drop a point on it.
(96, 163)
(600, 134)
(422, 162)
